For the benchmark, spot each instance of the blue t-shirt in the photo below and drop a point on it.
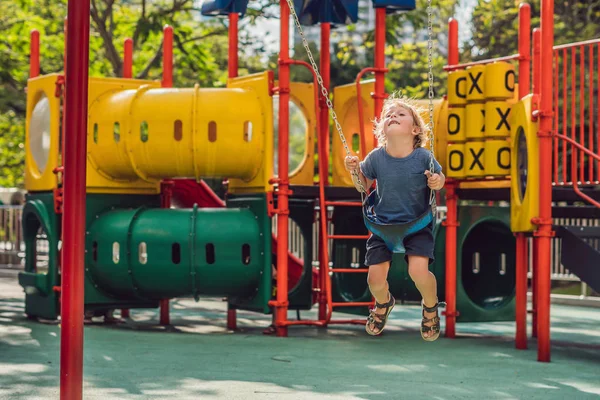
(402, 191)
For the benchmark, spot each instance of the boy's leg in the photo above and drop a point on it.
(418, 269)
(378, 258)
(419, 254)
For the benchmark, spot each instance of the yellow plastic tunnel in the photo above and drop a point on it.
(156, 133)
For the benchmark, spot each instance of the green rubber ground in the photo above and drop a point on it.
(197, 358)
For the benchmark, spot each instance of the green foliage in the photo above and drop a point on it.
(12, 154)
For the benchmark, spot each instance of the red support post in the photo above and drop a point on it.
(521, 291)
(34, 54)
(232, 67)
(451, 222)
(281, 304)
(233, 45)
(534, 302)
(323, 150)
(167, 78)
(380, 29)
(128, 58)
(451, 225)
(452, 42)
(536, 61)
(127, 73)
(544, 232)
(72, 307)
(166, 186)
(524, 49)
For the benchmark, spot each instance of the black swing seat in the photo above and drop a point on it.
(393, 234)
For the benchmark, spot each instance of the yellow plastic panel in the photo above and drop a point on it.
(345, 100)
(457, 88)
(455, 161)
(258, 106)
(497, 158)
(457, 125)
(101, 142)
(499, 81)
(303, 98)
(476, 83)
(525, 170)
(475, 120)
(42, 133)
(497, 119)
(475, 159)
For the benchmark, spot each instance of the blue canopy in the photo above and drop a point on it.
(395, 5)
(224, 7)
(311, 12)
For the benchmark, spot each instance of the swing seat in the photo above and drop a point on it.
(393, 234)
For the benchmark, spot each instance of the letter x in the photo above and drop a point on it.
(503, 118)
(476, 158)
(474, 80)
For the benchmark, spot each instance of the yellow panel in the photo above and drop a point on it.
(499, 81)
(474, 159)
(485, 184)
(42, 138)
(525, 172)
(457, 125)
(497, 119)
(497, 158)
(252, 101)
(476, 83)
(455, 161)
(475, 120)
(303, 96)
(98, 180)
(346, 108)
(457, 88)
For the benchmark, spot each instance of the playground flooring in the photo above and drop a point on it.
(198, 358)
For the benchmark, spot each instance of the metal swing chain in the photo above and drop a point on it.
(430, 76)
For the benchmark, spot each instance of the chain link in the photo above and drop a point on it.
(432, 199)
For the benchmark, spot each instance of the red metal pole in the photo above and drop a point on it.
(544, 232)
(127, 73)
(452, 42)
(451, 222)
(281, 305)
(128, 58)
(380, 29)
(536, 61)
(521, 291)
(71, 343)
(34, 54)
(233, 45)
(233, 72)
(524, 48)
(167, 81)
(167, 78)
(451, 225)
(323, 148)
(534, 291)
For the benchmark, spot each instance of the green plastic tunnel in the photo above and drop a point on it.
(165, 253)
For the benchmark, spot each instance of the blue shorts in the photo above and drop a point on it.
(417, 244)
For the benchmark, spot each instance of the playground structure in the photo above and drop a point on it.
(149, 145)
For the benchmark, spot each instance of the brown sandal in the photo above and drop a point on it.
(435, 328)
(379, 320)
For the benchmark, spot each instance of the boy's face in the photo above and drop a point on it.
(398, 121)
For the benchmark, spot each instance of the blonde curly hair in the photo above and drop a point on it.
(408, 104)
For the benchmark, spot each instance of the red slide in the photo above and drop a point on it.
(186, 192)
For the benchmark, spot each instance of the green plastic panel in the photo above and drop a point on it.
(164, 253)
